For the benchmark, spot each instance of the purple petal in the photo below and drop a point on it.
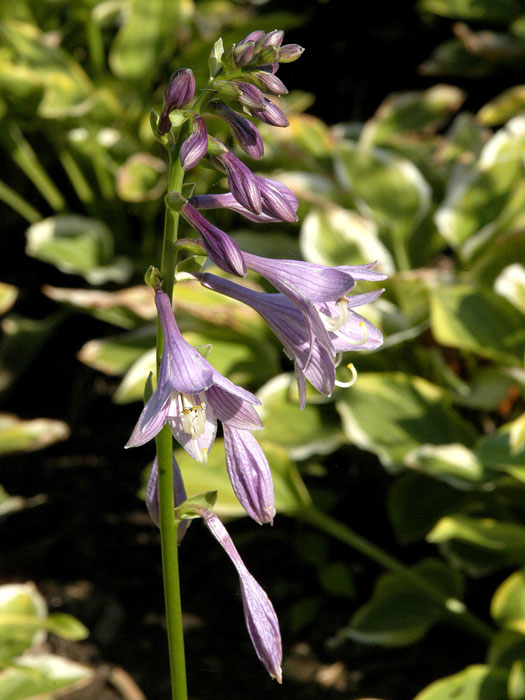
(271, 114)
(195, 146)
(249, 473)
(354, 336)
(254, 36)
(188, 371)
(273, 39)
(259, 614)
(242, 182)
(250, 95)
(180, 90)
(279, 201)
(268, 82)
(152, 495)
(153, 417)
(221, 249)
(363, 272)
(245, 133)
(311, 281)
(226, 200)
(233, 409)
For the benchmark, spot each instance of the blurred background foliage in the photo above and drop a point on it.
(424, 456)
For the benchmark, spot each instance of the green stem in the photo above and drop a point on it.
(76, 176)
(454, 608)
(26, 159)
(164, 442)
(19, 204)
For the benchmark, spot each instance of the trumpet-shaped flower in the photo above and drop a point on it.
(191, 395)
(311, 358)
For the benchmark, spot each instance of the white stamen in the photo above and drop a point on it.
(193, 419)
(334, 323)
(352, 381)
(338, 359)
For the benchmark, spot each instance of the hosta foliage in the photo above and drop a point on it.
(435, 194)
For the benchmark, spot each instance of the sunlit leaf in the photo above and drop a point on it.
(17, 435)
(455, 464)
(391, 413)
(508, 603)
(479, 321)
(20, 599)
(8, 295)
(510, 283)
(77, 245)
(315, 430)
(473, 683)
(35, 675)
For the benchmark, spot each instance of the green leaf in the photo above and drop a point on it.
(478, 321)
(497, 451)
(400, 614)
(503, 542)
(8, 295)
(508, 104)
(390, 188)
(20, 599)
(484, 10)
(127, 308)
(17, 435)
(290, 493)
(516, 687)
(508, 603)
(131, 387)
(510, 283)
(506, 647)
(417, 502)
(36, 675)
(454, 464)
(337, 236)
(301, 433)
(61, 624)
(409, 112)
(114, 355)
(391, 413)
(479, 196)
(337, 580)
(473, 683)
(141, 178)
(148, 32)
(77, 245)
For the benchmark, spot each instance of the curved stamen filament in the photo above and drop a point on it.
(365, 334)
(351, 381)
(334, 323)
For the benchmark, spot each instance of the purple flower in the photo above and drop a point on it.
(243, 53)
(345, 329)
(267, 81)
(245, 133)
(271, 114)
(191, 395)
(195, 146)
(250, 96)
(254, 36)
(242, 182)
(273, 39)
(304, 283)
(278, 201)
(289, 53)
(180, 90)
(221, 248)
(226, 200)
(152, 495)
(259, 614)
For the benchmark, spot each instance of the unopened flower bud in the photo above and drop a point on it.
(195, 146)
(271, 115)
(250, 95)
(268, 82)
(289, 53)
(244, 132)
(273, 39)
(254, 36)
(243, 53)
(180, 91)
(268, 54)
(153, 277)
